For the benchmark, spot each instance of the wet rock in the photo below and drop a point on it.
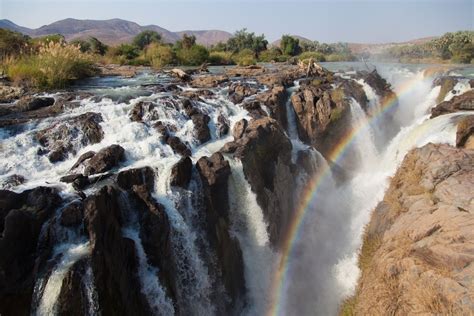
(305, 160)
(30, 103)
(12, 181)
(465, 133)
(222, 125)
(254, 109)
(463, 102)
(142, 109)
(105, 159)
(201, 129)
(113, 257)
(9, 93)
(446, 84)
(70, 178)
(275, 100)
(178, 146)
(208, 81)
(72, 214)
(248, 71)
(139, 176)
(239, 129)
(72, 299)
(265, 152)
(214, 172)
(355, 90)
(239, 91)
(85, 156)
(21, 218)
(181, 172)
(63, 138)
(198, 94)
(417, 247)
(379, 84)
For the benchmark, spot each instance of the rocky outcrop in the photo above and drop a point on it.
(239, 91)
(72, 298)
(465, 133)
(381, 87)
(21, 218)
(181, 172)
(142, 109)
(104, 160)
(214, 172)
(417, 252)
(446, 84)
(265, 152)
(200, 121)
(208, 81)
(65, 137)
(275, 100)
(463, 102)
(10, 93)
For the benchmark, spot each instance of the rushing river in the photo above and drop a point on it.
(323, 269)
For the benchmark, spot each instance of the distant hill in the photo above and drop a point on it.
(113, 32)
(358, 48)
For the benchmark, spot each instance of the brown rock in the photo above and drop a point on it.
(465, 133)
(106, 159)
(463, 102)
(222, 125)
(30, 103)
(72, 215)
(239, 129)
(181, 172)
(275, 100)
(139, 176)
(72, 299)
(178, 146)
(201, 129)
(208, 81)
(239, 91)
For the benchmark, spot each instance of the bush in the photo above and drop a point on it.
(315, 55)
(271, 55)
(159, 55)
(194, 56)
(290, 45)
(339, 57)
(245, 57)
(127, 51)
(145, 38)
(221, 58)
(53, 66)
(12, 43)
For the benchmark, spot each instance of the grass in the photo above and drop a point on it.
(53, 66)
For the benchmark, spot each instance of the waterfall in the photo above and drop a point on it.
(290, 113)
(249, 226)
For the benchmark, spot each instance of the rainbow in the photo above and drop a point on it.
(310, 193)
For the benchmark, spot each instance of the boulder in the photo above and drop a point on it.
(138, 176)
(208, 81)
(141, 109)
(62, 138)
(72, 299)
(446, 84)
(222, 125)
(9, 93)
(178, 146)
(105, 159)
(239, 91)
(22, 216)
(12, 181)
(85, 156)
(465, 133)
(30, 103)
(254, 109)
(265, 152)
(72, 214)
(214, 172)
(181, 172)
(113, 257)
(239, 129)
(246, 71)
(463, 102)
(275, 100)
(201, 129)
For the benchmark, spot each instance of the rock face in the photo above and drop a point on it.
(446, 84)
(379, 84)
(417, 252)
(463, 102)
(275, 100)
(200, 121)
(465, 133)
(239, 91)
(214, 172)
(21, 218)
(62, 138)
(265, 152)
(181, 172)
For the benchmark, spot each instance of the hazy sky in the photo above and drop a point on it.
(323, 20)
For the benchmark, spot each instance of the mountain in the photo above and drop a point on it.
(113, 32)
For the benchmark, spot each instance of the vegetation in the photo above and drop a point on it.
(243, 40)
(145, 38)
(12, 43)
(91, 45)
(290, 45)
(455, 47)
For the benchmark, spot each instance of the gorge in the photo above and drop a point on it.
(243, 191)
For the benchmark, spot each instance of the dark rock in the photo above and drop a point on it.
(201, 129)
(222, 125)
(239, 129)
(304, 159)
(139, 176)
(181, 172)
(141, 109)
(265, 152)
(71, 178)
(21, 218)
(214, 173)
(71, 215)
(254, 109)
(198, 94)
(72, 299)
(465, 132)
(178, 146)
(13, 181)
(239, 91)
(59, 137)
(30, 103)
(106, 159)
(82, 158)
(446, 84)
(113, 257)
(463, 102)
(275, 100)
(9, 93)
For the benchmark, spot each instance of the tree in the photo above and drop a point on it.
(290, 45)
(12, 43)
(146, 38)
(188, 41)
(160, 55)
(245, 40)
(97, 47)
(128, 51)
(196, 55)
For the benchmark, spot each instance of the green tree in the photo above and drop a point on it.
(290, 45)
(246, 40)
(196, 55)
(84, 46)
(12, 43)
(146, 38)
(97, 47)
(160, 55)
(187, 41)
(128, 51)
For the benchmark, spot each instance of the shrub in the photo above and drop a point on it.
(127, 51)
(159, 55)
(273, 54)
(12, 43)
(221, 58)
(145, 38)
(53, 66)
(290, 45)
(245, 57)
(339, 57)
(196, 55)
(315, 55)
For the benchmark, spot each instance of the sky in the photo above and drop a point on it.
(363, 21)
